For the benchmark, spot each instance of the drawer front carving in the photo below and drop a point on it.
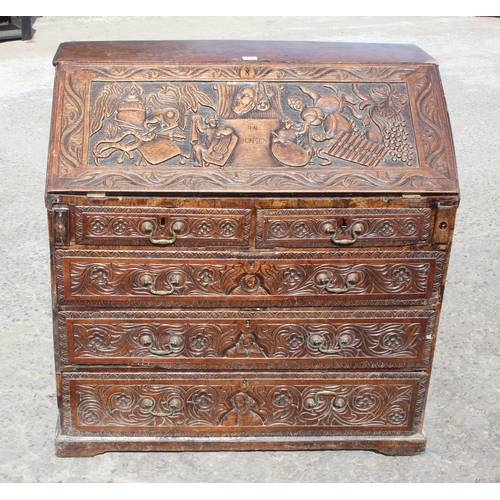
(196, 279)
(233, 340)
(165, 227)
(338, 227)
(218, 404)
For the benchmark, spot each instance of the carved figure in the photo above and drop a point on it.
(219, 142)
(252, 98)
(242, 412)
(249, 284)
(291, 145)
(246, 347)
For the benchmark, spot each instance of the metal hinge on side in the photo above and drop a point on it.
(61, 224)
(96, 195)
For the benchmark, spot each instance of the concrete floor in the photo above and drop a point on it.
(463, 410)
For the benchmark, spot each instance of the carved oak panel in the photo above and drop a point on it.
(338, 227)
(247, 279)
(222, 405)
(368, 339)
(165, 227)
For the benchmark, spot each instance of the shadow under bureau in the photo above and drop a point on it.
(249, 243)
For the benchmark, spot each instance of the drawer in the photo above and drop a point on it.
(248, 340)
(342, 227)
(231, 279)
(162, 227)
(208, 404)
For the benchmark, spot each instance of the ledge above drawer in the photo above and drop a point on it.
(342, 227)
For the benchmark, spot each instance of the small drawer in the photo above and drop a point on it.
(286, 340)
(230, 279)
(205, 404)
(339, 227)
(162, 227)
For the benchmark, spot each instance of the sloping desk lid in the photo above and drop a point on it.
(269, 118)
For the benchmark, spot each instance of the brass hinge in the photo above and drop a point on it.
(443, 226)
(411, 196)
(60, 225)
(96, 195)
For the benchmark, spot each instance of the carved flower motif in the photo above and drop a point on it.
(386, 229)
(365, 401)
(228, 228)
(402, 274)
(396, 416)
(203, 398)
(99, 274)
(206, 276)
(393, 341)
(97, 225)
(410, 227)
(278, 229)
(199, 341)
(90, 417)
(282, 397)
(205, 228)
(96, 340)
(123, 400)
(121, 226)
(295, 341)
(292, 276)
(300, 229)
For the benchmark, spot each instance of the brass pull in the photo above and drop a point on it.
(147, 281)
(324, 279)
(318, 342)
(177, 227)
(338, 401)
(357, 229)
(147, 341)
(148, 404)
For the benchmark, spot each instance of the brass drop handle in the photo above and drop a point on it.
(148, 404)
(338, 401)
(147, 281)
(324, 279)
(357, 229)
(177, 227)
(147, 341)
(318, 342)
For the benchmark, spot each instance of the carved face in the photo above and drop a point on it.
(245, 101)
(247, 340)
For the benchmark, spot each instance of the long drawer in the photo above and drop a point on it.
(228, 279)
(286, 340)
(210, 404)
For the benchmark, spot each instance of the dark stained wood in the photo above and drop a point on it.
(246, 253)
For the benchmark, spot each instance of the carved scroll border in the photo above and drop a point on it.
(62, 341)
(336, 212)
(417, 401)
(206, 212)
(439, 257)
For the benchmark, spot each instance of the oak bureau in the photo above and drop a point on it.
(249, 243)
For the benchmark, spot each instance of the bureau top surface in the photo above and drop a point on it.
(249, 117)
(217, 51)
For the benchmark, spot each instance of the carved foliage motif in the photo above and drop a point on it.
(346, 405)
(123, 279)
(200, 227)
(307, 226)
(431, 126)
(101, 341)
